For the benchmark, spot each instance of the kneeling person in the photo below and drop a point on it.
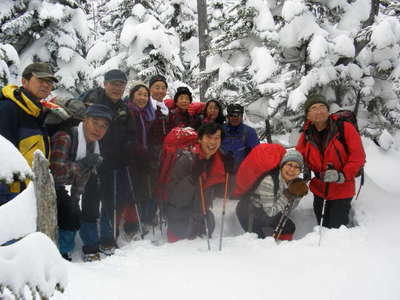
(192, 176)
(274, 196)
(75, 156)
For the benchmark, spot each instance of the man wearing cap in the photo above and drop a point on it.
(239, 138)
(116, 149)
(22, 117)
(75, 155)
(335, 163)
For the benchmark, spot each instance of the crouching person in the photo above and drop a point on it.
(194, 173)
(272, 190)
(75, 156)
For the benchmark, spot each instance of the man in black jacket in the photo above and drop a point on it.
(110, 185)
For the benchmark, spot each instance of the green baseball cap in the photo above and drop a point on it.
(40, 70)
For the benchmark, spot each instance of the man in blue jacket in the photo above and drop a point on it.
(239, 138)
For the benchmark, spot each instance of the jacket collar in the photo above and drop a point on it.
(23, 99)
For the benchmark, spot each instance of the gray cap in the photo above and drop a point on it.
(74, 109)
(293, 155)
(115, 75)
(40, 70)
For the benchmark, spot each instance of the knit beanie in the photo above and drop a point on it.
(156, 78)
(314, 99)
(292, 155)
(183, 90)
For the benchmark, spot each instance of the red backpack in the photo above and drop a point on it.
(264, 158)
(177, 138)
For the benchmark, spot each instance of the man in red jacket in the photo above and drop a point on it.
(334, 163)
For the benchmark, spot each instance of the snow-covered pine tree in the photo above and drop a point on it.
(9, 65)
(345, 50)
(52, 31)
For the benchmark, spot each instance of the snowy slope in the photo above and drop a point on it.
(357, 263)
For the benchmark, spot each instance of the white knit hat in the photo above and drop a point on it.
(293, 155)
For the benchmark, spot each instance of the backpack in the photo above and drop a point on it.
(347, 116)
(263, 160)
(177, 139)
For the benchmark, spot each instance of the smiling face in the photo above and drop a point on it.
(210, 143)
(95, 128)
(141, 97)
(212, 110)
(183, 101)
(114, 89)
(158, 90)
(38, 87)
(290, 170)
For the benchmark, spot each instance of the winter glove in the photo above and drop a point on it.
(92, 160)
(196, 108)
(229, 162)
(298, 187)
(291, 197)
(332, 175)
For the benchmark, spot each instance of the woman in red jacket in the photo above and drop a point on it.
(334, 164)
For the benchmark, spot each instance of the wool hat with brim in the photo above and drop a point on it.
(115, 75)
(72, 109)
(39, 70)
(183, 90)
(156, 78)
(100, 111)
(292, 155)
(314, 99)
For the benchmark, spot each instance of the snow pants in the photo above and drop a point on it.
(260, 223)
(336, 211)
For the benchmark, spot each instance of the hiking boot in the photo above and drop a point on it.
(66, 256)
(107, 250)
(89, 257)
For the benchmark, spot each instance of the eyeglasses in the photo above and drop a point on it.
(321, 108)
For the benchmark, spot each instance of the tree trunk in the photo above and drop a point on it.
(203, 37)
(45, 196)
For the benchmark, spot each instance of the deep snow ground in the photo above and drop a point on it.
(357, 263)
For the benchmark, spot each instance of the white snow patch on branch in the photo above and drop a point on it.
(263, 65)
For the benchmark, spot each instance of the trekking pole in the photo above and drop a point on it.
(115, 205)
(282, 221)
(204, 212)
(223, 210)
(128, 172)
(150, 194)
(323, 208)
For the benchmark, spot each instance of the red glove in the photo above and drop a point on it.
(196, 108)
(169, 103)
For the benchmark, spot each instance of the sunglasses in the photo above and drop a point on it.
(234, 115)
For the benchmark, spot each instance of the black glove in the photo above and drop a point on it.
(229, 162)
(332, 175)
(92, 160)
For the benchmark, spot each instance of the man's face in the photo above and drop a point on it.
(210, 143)
(235, 119)
(115, 89)
(38, 87)
(95, 128)
(318, 113)
(158, 91)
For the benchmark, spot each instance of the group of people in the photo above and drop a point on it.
(109, 150)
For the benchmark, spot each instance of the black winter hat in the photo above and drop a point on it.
(183, 90)
(156, 78)
(314, 99)
(235, 109)
(100, 111)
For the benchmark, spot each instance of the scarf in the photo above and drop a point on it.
(81, 151)
(164, 109)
